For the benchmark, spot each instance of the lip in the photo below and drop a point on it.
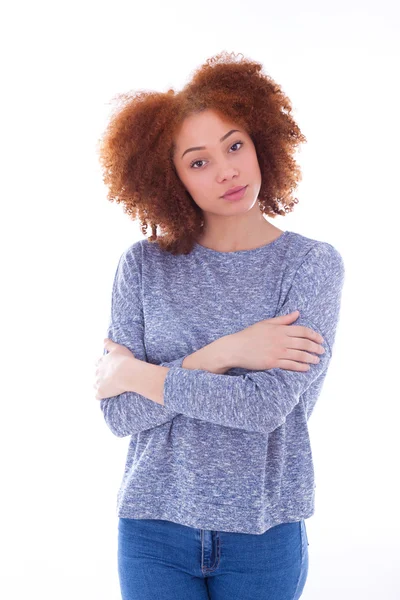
(235, 196)
(233, 190)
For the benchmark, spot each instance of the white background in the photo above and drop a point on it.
(61, 239)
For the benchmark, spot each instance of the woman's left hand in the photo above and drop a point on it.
(112, 369)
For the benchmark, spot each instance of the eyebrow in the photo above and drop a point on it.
(203, 147)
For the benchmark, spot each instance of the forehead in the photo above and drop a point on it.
(205, 124)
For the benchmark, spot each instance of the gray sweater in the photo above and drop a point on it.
(231, 451)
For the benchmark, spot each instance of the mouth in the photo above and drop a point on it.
(233, 190)
(236, 194)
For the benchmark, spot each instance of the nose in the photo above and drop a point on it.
(227, 172)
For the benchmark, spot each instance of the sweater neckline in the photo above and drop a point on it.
(210, 251)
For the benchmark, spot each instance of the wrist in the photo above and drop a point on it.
(216, 357)
(145, 379)
(128, 373)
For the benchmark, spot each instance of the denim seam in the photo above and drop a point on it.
(217, 557)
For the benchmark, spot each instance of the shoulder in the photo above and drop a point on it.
(143, 257)
(134, 249)
(144, 248)
(317, 256)
(134, 255)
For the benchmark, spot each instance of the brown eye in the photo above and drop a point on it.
(236, 143)
(194, 162)
(199, 161)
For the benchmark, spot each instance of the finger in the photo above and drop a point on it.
(288, 316)
(301, 356)
(304, 332)
(292, 365)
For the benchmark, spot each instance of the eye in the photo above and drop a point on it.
(199, 161)
(236, 143)
(195, 162)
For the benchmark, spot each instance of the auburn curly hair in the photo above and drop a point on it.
(137, 146)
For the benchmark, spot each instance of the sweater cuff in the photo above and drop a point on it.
(174, 363)
(176, 388)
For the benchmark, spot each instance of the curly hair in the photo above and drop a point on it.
(137, 147)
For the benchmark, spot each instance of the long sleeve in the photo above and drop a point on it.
(260, 401)
(129, 412)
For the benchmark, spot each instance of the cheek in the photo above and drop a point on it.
(199, 183)
(187, 180)
(252, 160)
(253, 167)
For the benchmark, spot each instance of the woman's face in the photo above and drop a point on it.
(228, 160)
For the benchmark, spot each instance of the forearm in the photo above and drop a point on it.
(216, 357)
(148, 379)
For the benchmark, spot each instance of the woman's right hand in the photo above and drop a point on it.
(274, 343)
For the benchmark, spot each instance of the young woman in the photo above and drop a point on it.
(221, 333)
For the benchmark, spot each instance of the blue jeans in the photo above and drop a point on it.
(162, 560)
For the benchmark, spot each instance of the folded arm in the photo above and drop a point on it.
(130, 412)
(260, 401)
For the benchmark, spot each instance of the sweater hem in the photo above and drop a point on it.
(220, 517)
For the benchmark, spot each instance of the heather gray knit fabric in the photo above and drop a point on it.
(226, 452)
